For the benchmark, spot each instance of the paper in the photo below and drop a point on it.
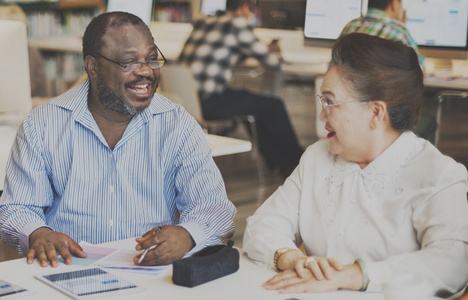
(123, 260)
(117, 259)
(94, 254)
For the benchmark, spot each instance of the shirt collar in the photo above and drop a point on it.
(381, 17)
(383, 169)
(76, 101)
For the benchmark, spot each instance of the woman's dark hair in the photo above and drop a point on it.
(92, 38)
(381, 69)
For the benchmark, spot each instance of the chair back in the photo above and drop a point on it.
(177, 84)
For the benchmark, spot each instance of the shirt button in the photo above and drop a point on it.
(111, 222)
(110, 155)
(111, 188)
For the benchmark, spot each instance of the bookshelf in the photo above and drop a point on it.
(172, 11)
(57, 26)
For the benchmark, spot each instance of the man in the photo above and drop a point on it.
(215, 46)
(386, 19)
(111, 159)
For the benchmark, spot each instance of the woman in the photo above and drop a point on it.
(375, 207)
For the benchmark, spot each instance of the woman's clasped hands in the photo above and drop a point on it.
(307, 274)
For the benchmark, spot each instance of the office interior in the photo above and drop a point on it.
(296, 85)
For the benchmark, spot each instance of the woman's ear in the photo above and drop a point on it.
(379, 113)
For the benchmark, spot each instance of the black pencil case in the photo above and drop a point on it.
(208, 264)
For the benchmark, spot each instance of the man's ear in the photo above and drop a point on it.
(90, 65)
(379, 113)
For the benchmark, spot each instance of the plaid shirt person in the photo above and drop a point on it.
(216, 45)
(377, 23)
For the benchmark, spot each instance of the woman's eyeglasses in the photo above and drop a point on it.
(327, 104)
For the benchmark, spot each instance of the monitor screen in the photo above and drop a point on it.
(439, 25)
(325, 19)
(277, 14)
(15, 86)
(210, 7)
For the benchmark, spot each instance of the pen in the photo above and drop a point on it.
(150, 248)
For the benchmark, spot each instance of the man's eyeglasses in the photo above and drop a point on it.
(153, 64)
(327, 104)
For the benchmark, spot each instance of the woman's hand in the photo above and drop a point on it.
(321, 267)
(289, 282)
(350, 277)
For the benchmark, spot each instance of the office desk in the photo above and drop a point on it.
(446, 84)
(222, 145)
(244, 284)
(455, 79)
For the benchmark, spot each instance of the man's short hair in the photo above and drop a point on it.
(380, 4)
(96, 29)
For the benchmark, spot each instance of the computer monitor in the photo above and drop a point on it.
(280, 14)
(15, 84)
(325, 19)
(210, 7)
(440, 28)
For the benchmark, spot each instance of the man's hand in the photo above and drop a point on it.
(404, 17)
(46, 245)
(172, 243)
(274, 47)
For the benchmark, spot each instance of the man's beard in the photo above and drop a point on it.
(117, 103)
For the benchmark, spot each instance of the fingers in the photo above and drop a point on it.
(280, 280)
(75, 248)
(47, 245)
(289, 282)
(44, 254)
(65, 250)
(335, 264)
(149, 239)
(160, 255)
(316, 267)
(30, 256)
(173, 242)
(301, 267)
(322, 267)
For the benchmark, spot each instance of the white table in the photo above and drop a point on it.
(244, 284)
(222, 145)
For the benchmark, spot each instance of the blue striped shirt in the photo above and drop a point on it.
(62, 174)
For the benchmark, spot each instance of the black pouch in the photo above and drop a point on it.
(208, 264)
